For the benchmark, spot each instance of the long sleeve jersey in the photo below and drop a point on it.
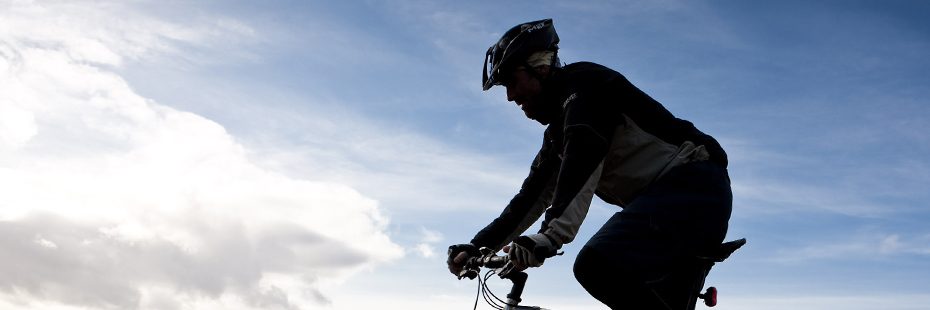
(610, 139)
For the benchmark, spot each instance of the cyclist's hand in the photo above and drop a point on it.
(531, 251)
(458, 255)
(517, 266)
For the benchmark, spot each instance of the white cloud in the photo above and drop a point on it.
(115, 201)
(425, 250)
(464, 297)
(767, 181)
(769, 196)
(428, 240)
(868, 245)
(817, 302)
(403, 169)
(627, 8)
(430, 236)
(17, 126)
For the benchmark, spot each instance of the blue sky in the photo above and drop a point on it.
(322, 154)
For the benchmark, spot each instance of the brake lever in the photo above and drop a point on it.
(505, 270)
(470, 270)
(471, 274)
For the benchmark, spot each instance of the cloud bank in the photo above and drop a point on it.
(115, 201)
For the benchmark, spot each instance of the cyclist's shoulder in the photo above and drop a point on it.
(588, 76)
(583, 69)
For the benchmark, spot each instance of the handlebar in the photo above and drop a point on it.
(487, 259)
(502, 267)
(505, 269)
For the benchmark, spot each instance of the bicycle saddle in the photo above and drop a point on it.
(723, 251)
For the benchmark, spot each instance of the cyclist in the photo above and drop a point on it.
(605, 137)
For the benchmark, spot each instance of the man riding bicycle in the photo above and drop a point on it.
(605, 137)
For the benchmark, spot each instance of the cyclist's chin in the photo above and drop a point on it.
(538, 115)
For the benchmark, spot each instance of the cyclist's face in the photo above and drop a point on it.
(524, 89)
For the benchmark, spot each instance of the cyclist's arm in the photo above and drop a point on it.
(588, 130)
(528, 204)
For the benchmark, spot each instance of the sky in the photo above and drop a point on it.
(324, 154)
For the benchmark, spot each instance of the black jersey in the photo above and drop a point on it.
(610, 140)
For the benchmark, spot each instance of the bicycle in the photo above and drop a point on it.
(502, 266)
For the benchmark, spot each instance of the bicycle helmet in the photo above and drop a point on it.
(515, 46)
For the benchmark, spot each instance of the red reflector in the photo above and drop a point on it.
(710, 296)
